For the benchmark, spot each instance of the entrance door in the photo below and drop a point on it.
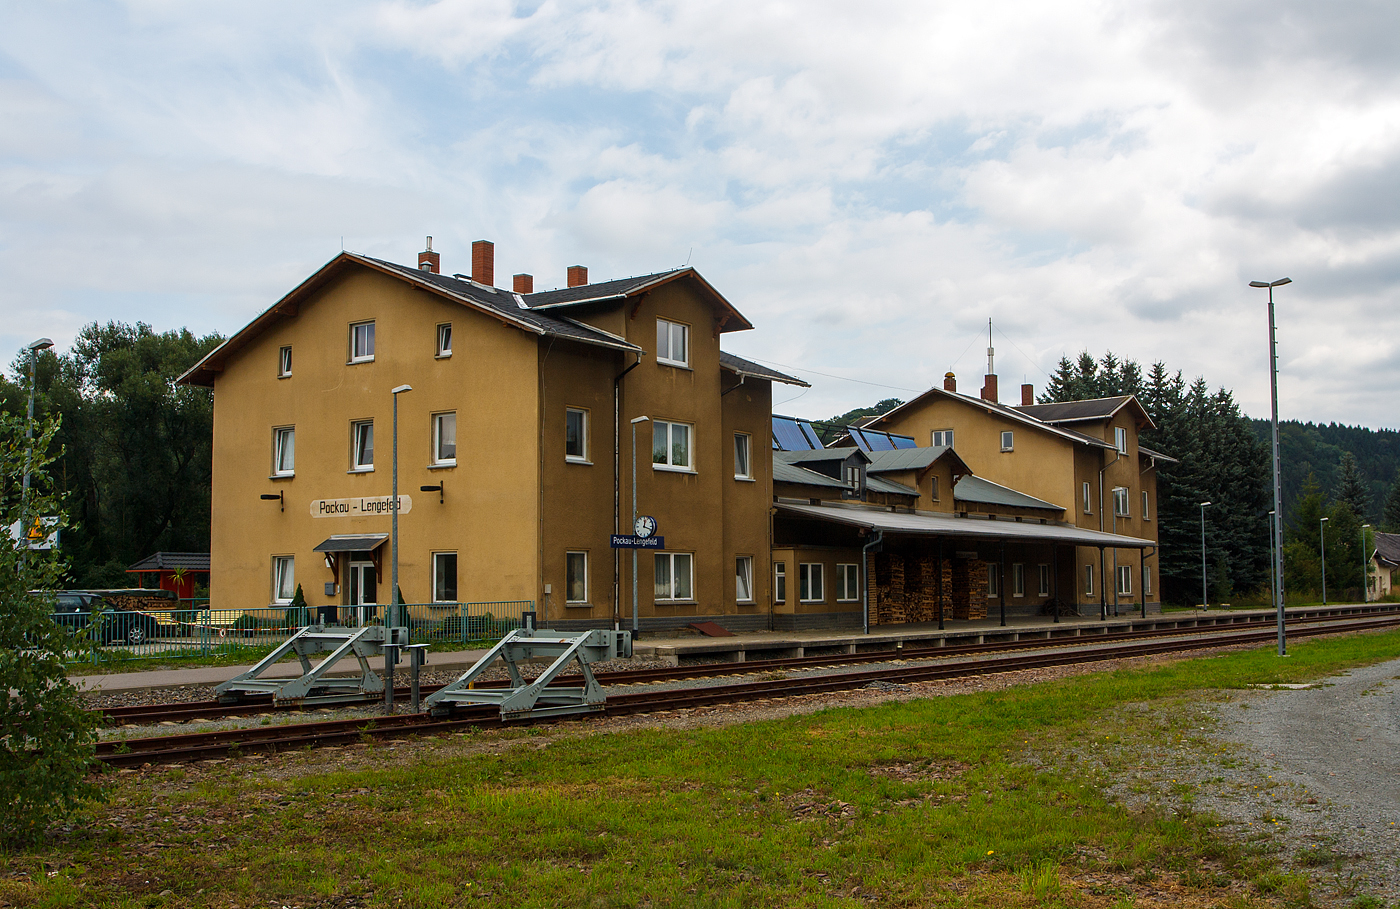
(360, 588)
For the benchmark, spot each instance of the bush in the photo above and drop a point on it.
(46, 735)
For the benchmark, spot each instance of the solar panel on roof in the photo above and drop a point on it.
(794, 435)
(903, 441)
(875, 440)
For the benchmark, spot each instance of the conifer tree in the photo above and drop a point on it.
(1390, 517)
(1351, 490)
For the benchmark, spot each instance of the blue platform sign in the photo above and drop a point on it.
(627, 541)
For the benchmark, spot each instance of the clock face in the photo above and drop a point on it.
(645, 526)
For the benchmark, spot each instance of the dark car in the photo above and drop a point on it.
(101, 614)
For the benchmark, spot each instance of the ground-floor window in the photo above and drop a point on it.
(284, 580)
(993, 579)
(1147, 580)
(1125, 580)
(847, 582)
(675, 576)
(810, 588)
(780, 582)
(576, 577)
(1018, 580)
(444, 577)
(1044, 580)
(1089, 580)
(743, 579)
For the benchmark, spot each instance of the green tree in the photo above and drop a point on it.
(828, 430)
(1390, 517)
(46, 734)
(1351, 489)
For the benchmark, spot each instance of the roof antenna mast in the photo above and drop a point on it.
(991, 351)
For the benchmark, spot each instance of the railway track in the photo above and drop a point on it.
(202, 746)
(211, 710)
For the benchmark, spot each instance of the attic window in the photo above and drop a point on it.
(362, 342)
(284, 362)
(444, 339)
(1008, 441)
(1120, 439)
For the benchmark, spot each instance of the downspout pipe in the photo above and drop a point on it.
(876, 540)
(617, 490)
(1142, 560)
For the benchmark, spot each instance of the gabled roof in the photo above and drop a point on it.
(784, 472)
(985, 492)
(751, 370)
(1387, 549)
(1002, 410)
(820, 454)
(613, 291)
(169, 561)
(915, 459)
(1144, 451)
(880, 484)
(1088, 410)
(491, 301)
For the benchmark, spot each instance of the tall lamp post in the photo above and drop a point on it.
(1271, 551)
(1365, 564)
(1322, 540)
(1278, 481)
(394, 511)
(635, 420)
(1205, 597)
(33, 348)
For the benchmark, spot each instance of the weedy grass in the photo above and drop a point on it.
(920, 803)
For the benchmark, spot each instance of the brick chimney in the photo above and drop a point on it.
(989, 388)
(950, 382)
(484, 262)
(578, 275)
(524, 284)
(429, 260)
(1027, 395)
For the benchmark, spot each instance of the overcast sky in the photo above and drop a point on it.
(868, 183)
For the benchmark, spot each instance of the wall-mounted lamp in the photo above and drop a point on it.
(437, 489)
(275, 496)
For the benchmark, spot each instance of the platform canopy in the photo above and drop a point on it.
(939, 525)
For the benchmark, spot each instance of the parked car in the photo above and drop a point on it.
(108, 616)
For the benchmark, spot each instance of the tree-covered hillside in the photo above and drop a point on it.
(1317, 449)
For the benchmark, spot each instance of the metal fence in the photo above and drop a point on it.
(194, 629)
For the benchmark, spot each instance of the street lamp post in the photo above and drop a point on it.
(1205, 596)
(1322, 540)
(1271, 550)
(390, 650)
(1365, 563)
(635, 629)
(34, 348)
(1278, 480)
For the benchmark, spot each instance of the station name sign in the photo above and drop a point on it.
(367, 506)
(628, 541)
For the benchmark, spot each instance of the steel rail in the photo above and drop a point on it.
(184, 711)
(202, 746)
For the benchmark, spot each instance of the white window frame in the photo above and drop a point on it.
(582, 457)
(1120, 439)
(443, 345)
(438, 421)
(284, 455)
(1088, 580)
(284, 578)
(941, 437)
(993, 579)
(356, 354)
(780, 582)
(356, 428)
(1121, 502)
(1146, 512)
(570, 558)
(673, 559)
(1044, 579)
(1088, 498)
(811, 580)
(1125, 580)
(743, 579)
(668, 464)
(284, 362)
(853, 476)
(1008, 440)
(672, 330)
(847, 582)
(1147, 580)
(1018, 579)
(438, 559)
(743, 460)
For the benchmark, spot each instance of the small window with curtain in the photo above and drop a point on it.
(576, 578)
(741, 457)
(743, 579)
(361, 342)
(1125, 580)
(942, 437)
(444, 339)
(362, 445)
(284, 579)
(444, 439)
(1120, 439)
(674, 576)
(671, 445)
(444, 577)
(1120, 501)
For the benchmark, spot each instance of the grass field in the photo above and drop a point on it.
(943, 801)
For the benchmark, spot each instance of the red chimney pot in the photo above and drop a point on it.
(578, 275)
(429, 260)
(484, 262)
(524, 284)
(1027, 395)
(989, 388)
(950, 382)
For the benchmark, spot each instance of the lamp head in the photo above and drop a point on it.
(639, 419)
(400, 389)
(41, 344)
(1204, 504)
(1323, 521)
(1279, 283)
